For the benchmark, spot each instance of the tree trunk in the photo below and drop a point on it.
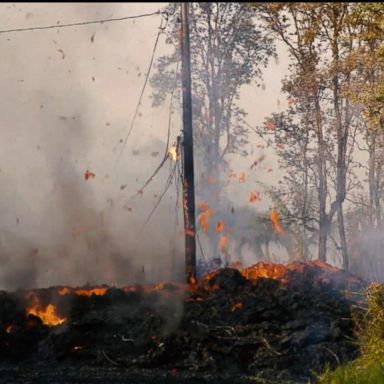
(322, 187)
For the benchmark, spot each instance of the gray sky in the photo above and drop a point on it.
(65, 104)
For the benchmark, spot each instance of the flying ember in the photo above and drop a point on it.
(172, 153)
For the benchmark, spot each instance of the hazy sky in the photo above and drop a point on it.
(67, 98)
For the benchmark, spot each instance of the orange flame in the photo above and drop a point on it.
(242, 178)
(83, 292)
(9, 328)
(275, 221)
(77, 348)
(47, 314)
(172, 153)
(203, 206)
(223, 244)
(236, 307)
(203, 221)
(220, 226)
(254, 196)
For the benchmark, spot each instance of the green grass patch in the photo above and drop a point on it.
(369, 367)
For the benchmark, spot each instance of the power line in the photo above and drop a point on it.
(167, 185)
(82, 23)
(161, 30)
(166, 154)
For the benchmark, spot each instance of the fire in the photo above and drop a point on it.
(275, 221)
(242, 178)
(77, 348)
(203, 217)
(9, 328)
(236, 307)
(220, 226)
(172, 153)
(269, 124)
(254, 196)
(83, 292)
(203, 221)
(223, 244)
(47, 314)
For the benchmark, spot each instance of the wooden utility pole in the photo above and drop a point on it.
(188, 177)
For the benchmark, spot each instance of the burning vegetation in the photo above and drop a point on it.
(273, 321)
(249, 320)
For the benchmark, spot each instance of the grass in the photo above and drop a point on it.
(369, 367)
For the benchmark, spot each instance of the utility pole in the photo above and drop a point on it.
(188, 177)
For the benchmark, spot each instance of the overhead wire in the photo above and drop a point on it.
(161, 30)
(167, 185)
(81, 23)
(166, 154)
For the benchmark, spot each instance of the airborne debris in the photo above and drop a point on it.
(254, 196)
(88, 174)
(62, 54)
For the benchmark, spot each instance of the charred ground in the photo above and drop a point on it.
(267, 322)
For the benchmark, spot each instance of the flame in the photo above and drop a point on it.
(220, 226)
(79, 231)
(47, 314)
(203, 217)
(172, 153)
(203, 221)
(236, 307)
(236, 265)
(269, 124)
(77, 348)
(242, 178)
(9, 328)
(83, 292)
(223, 244)
(254, 196)
(275, 221)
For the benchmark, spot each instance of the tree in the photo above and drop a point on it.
(229, 48)
(366, 93)
(320, 37)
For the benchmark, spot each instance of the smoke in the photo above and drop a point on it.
(66, 108)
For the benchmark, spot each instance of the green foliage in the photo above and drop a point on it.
(369, 368)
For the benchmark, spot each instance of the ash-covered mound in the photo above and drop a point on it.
(271, 321)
